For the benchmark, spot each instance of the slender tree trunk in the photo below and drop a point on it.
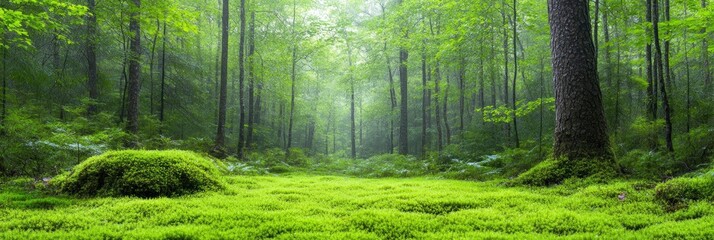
(667, 43)
(3, 114)
(241, 82)
(705, 58)
(437, 107)
(687, 74)
(424, 99)
(219, 149)
(92, 76)
(403, 109)
(251, 83)
(515, 74)
(134, 84)
(353, 149)
(162, 98)
(293, 76)
(542, 95)
(392, 92)
(660, 75)
(481, 85)
(651, 98)
(151, 67)
(446, 113)
(581, 130)
(462, 93)
(506, 78)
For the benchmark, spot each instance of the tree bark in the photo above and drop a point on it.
(92, 76)
(403, 109)
(134, 85)
(705, 58)
(288, 144)
(506, 101)
(580, 130)
(219, 149)
(424, 99)
(651, 97)
(162, 98)
(251, 83)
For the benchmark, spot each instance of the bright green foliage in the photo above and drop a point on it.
(18, 18)
(328, 207)
(142, 174)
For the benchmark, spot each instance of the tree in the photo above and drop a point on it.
(133, 85)
(661, 76)
(404, 88)
(219, 148)
(92, 77)
(241, 80)
(580, 131)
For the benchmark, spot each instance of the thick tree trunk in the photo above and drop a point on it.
(134, 85)
(92, 76)
(660, 76)
(241, 82)
(580, 130)
(219, 148)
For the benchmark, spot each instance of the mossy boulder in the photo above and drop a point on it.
(556, 170)
(142, 174)
(679, 191)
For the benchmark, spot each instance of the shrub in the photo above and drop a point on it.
(141, 174)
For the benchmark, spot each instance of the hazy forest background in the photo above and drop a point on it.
(446, 82)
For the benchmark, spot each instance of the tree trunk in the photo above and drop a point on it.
(162, 97)
(446, 113)
(651, 97)
(251, 83)
(151, 67)
(392, 92)
(288, 145)
(507, 127)
(424, 99)
(515, 74)
(437, 107)
(92, 76)
(462, 93)
(687, 74)
(219, 149)
(241, 81)
(134, 85)
(3, 113)
(580, 131)
(667, 43)
(403, 109)
(353, 149)
(705, 58)
(660, 75)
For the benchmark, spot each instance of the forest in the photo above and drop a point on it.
(349, 119)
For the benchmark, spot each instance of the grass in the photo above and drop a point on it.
(298, 206)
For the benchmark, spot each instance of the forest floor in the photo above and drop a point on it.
(298, 206)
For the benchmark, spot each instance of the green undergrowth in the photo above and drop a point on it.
(296, 206)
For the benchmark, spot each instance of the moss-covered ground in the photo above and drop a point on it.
(300, 206)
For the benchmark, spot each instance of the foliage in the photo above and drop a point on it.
(683, 190)
(35, 147)
(141, 173)
(19, 18)
(329, 207)
(504, 114)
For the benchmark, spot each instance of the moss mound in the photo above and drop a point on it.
(555, 171)
(677, 192)
(141, 174)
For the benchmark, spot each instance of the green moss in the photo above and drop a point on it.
(556, 170)
(141, 173)
(677, 192)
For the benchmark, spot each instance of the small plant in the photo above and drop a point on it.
(141, 174)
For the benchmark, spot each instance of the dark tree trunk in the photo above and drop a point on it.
(447, 129)
(403, 109)
(151, 67)
(482, 76)
(705, 58)
(293, 76)
(462, 93)
(251, 83)
(424, 100)
(437, 107)
(660, 76)
(651, 97)
(219, 149)
(515, 74)
(241, 82)
(580, 131)
(134, 86)
(353, 145)
(3, 113)
(667, 44)
(506, 101)
(92, 76)
(687, 75)
(162, 98)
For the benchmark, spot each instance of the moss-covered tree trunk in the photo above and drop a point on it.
(580, 130)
